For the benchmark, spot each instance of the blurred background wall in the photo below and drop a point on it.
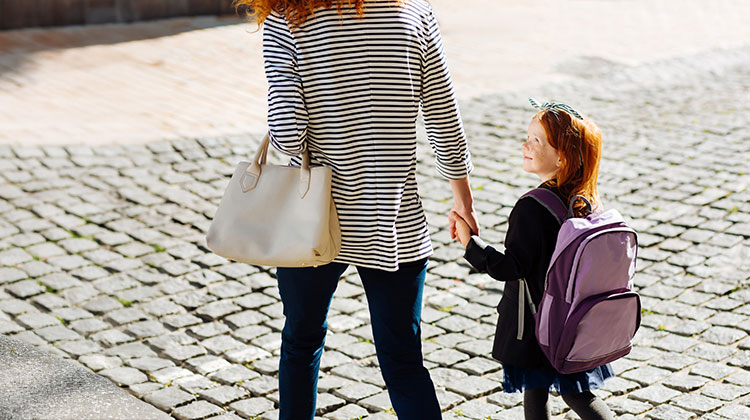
(31, 13)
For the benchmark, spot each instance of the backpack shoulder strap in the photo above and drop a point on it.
(550, 201)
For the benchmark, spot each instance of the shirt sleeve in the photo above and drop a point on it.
(287, 114)
(440, 107)
(523, 246)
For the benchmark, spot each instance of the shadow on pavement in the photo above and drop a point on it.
(17, 45)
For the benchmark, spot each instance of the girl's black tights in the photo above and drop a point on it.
(587, 405)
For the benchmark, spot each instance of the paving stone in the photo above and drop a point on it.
(697, 403)
(477, 409)
(102, 304)
(124, 375)
(347, 412)
(711, 352)
(357, 392)
(685, 383)
(126, 316)
(723, 335)
(25, 289)
(734, 412)
(723, 391)
(145, 329)
(183, 353)
(478, 366)
(508, 400)
(262, 385)
(233, 375)
(130, 350)
(216, 310)
(57, 333)
(196, 411)
(181, 320)
(473, 387)
(149, 364)
(97, 362)
(654, 394)
(78, 347)
(111, 337)
(37, 320)
(223, 395)
(669, 412)
(252, 407)
(646, 375)
(169, 374)
(195, 383)
(628, 406)
(207, 364)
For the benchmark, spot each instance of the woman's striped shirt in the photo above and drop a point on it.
(349, 90)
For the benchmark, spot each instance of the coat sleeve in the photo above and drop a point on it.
(442, 119)
(523, 245)
(287, 114)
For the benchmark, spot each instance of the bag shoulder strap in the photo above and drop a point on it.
(550, 201)
(559, 210)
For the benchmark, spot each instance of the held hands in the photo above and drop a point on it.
(459, 228)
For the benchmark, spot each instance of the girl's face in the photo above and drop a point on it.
(538, 156)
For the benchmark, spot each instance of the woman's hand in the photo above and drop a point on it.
(463, 207)
(462, 229)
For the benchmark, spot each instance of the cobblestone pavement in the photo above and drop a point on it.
(103, 260)
(203, 77)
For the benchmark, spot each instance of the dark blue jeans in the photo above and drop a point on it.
(395, 303)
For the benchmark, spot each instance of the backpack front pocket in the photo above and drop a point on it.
(604, 327)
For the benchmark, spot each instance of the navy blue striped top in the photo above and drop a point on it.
(349, 90)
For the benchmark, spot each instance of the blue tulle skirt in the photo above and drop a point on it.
(518, 379)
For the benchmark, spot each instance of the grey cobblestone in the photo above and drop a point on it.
(109, 264)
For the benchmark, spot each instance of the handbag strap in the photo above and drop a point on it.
(252, 174)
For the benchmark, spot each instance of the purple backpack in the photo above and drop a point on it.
(589, 311)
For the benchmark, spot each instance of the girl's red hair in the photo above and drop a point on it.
(295, 12)
(580, 146)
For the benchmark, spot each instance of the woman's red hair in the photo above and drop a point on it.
(579, 144)
(296, 12)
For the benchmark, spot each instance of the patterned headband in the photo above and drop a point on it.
(554, 107)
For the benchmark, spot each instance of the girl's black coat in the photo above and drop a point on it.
(529, 244)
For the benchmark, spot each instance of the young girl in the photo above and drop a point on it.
(563, 149)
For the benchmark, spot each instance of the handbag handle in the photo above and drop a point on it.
(252, 174)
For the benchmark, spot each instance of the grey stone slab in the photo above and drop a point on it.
(262, 385)
(124, 375)
(356, 392)
(473, 387)
(168, 398)
(669, 412)
(36, 384)
(697, 403)
(182, 353)
(197, 410)
(97, 362)
(347, 412)
(378, 403)
(207, 364)
(724, 391)
(149, 364)
(234, 375)
(654, 394)
(477, 409)
(195, 383)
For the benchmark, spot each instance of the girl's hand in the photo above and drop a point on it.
(463, 231)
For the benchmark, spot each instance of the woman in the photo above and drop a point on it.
(346, 81)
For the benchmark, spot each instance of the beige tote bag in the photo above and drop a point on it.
(280, 216)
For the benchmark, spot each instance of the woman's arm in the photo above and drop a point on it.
(445, 131)
(287, 114)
